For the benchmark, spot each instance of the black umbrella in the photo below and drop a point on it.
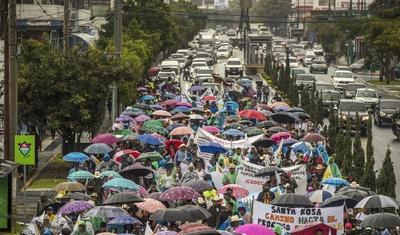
(197, 212)
(357, 188)
(357, 195)
(122, 198)
(381, 220)
(142, 106)
(56, 206)
(339, 201)
(276, 129)
(268, 170)
(265, 143)
(303, 116)
(378, 201)
(172, 214)
(78, 197)
(234, 126)
(283, 117)
(245, 122)
(266, 124)
(136, 170)
(292, 200)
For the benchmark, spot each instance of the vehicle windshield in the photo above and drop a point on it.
(166, 75)
(324, 87)
(343, 75)
(195, 65)
(309, 56)
(367, 94)
(352, 107)
(390, 104)
(354, 87)
(305, 78)
(343, 69)
(298, 71)
(279, 48)
(222, 49)
(175, 56)
(202, 55)
(319, 62)
(233, 62)
(292, 60)
(330, 96)
(204, 71)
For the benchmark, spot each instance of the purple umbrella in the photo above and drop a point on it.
(184, 104)
(106, 138)
(124, 118)
(141, 118)
(198, 185)
(254, 229)
(196, 88)
(179, 193)
(74, 207)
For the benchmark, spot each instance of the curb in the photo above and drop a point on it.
(34, 176)
(382, 89)
(39, 190)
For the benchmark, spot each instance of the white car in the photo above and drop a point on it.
(342, 78)
(194, 66)
(223, 53)
(293, 63)
(233, 67)
(163, 76)
(368, 96)
(308, 58)
(204, 71)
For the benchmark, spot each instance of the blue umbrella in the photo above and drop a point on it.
(211, 147)
(146, 97)
(233, 105)
(300, 146)
(149, 139)
(196, 88)
(289, 142)
(182, 109)
(281, 108)
(124, 118)
(157, 107)
(123, 220)
(335, 182)
(132, 112)
(169, 95)
(173, 126)
(121, 184)
(295, 109)
(319, 195)
(233, 132)
(76, 157)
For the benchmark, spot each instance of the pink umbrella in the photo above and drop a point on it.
(237, 190)
(131, 152)
(150, 205)
(182, 130)
(162, 113)
(142, 191)
(182, 103)
(105, 139)
(211, 129)
(141, 118)
(168, 103)
(179, 193)
(254, 229)
(278, 136)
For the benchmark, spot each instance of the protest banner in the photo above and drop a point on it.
(204, 136)
(291, 218)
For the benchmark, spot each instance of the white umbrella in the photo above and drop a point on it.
(106, 212)
(378, 201)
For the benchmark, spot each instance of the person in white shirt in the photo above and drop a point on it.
(363, 215)
(167, 181)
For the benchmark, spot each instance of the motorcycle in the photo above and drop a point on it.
(396, 128)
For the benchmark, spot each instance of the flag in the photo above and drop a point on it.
(32, 228)
(319, 128)
(278, 152)
(207, 93)
(209, 167)
(278, 179)
(279, 191)
(238, 88)
(293, 156)
(148, 230)
(328, 173)
(220, 102)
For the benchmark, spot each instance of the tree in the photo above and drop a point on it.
(318, 116)
(386, 181)
(293, 92)
(332, 129)
(327, 35)
(339, 146)
(358, 152)
(305, 100)
(347, 166)
(369, 178)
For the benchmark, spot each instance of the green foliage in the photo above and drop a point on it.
(358, 157)
(386, 181)
(348, 156)
(273, 13)
(332, 129)
(339, 147)
(369, 178)
(319, 112)
(305, 100)
(358, 123)
(293, 93)
(327, 35)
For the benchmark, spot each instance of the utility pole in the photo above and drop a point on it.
(6, 108)
(118, 47)
(66, 25)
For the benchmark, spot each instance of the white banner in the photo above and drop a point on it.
(291, 218)
(246, 178)
(204, 136)
(220, 102)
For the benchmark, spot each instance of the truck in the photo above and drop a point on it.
(207, 40)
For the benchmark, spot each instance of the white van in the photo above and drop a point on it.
(342, 78)
(171, 65)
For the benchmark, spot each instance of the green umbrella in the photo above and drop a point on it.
(156, 129)
(108, 173)
(153, 123)
(81, 175)
(153, 156)
(254, 132)
(123, 132)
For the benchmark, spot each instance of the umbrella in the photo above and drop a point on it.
(197, 110)
(211, 129)
(233, 118)
(179, 193)
(105, 139)
(149, 139)
(211, 147)
(265, 143)
(167, 232)
(289, 142)
(267, 113)
(141, 89)
(76, 157)
(237, 190)
(78, 197)
(179, 116)
(266, 124)
(232, 104)
(153, 156)
(268, 170)
(335, 182)
(234, 126)
(209, 98)
(120, 221)
(182, 130)
(108, 173)
(378, 201)
(155, 195)
(339, 201)
(131, 112)
(129, 137)
(182, 109)
(142, 106)
(254, 132)
(123, 132)
(301, 146)
(199, 230)
(276, 129)
(168, 103)
(312, 227)
(244, 82)
(278, 136)
(159, 137)
(254, 229)
(146, 97)
(126, 152)
(162, 113)
(150, 205)
(175, 143)
(106, 212)
(156, 107)
(302, 116)
(319, 195)
(198, 185)
(184, 104)
(122, 198)
(69, 186)
(169, 95)
(313, 137)
(284, 117)
(142, 118)
(153, 123)
(195, 117)
(276, 104)
(381, 220)
(280, 108)
(108, 233)
(233, 132)
(142, 191)
(74, 207)
(173, 126)
(295, 110)
(292, 200)
(97, 148)
(357, 195)
(156, 129)
(264, 106)
(136, 170)
(171, 214)
(196, 88)
(253, 114)
(124, 118)
(357, 188)
(80, 175)
(197, 212)
(121, 184)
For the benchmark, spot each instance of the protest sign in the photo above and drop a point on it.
(291, 218)
(204, 136)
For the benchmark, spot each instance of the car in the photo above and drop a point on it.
(194, 66)
(199, 60)
(233, 66)
(223, 53)
(295, 71)
(318, 65)
(184, 52)
(163, 76)
(368, 96)
(293, 63)
(329, 97)
(397, 71)
(349, 90)
(206, 56)
(304, 80)
(358, 66)
(300, 56)
(319, 86)
(384, 111)
(181, 62)
(213, 55)
(176, 56)
(308, 58)
(342, 78)
(201, 78)
(343, 68)
(229, 46)
(204, 71)
(318, 50)
(231, 33)
(347, 110)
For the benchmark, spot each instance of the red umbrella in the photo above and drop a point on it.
(168, 103)
(278, 136)
(211, 129)
(197, 230)
(176, 143)
(105, 139)
(159, 137)
(313, 137)
(179, 116)
(127, 152)
(252, 114)
(209, 97)
(150, 205)
(186, 104)
(179, 193)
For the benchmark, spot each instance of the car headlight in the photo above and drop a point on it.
(382, 113)
(365, 118)
(343, 117)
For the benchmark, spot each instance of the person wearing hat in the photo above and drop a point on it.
(81, 229)
(102, 228)
(180, 155)
(75, 168)
(334, 168)
(46, 224)
(319, 171)
(314, 182)
(107, 164)
(235, 223)
(246, 216)
(368, 230)
(95, 186)
(44, 201)
(215, 210)
(50, 213)
(348, 229)
(266, 196)
(189, 175)
(231, 176)
(221, 163)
